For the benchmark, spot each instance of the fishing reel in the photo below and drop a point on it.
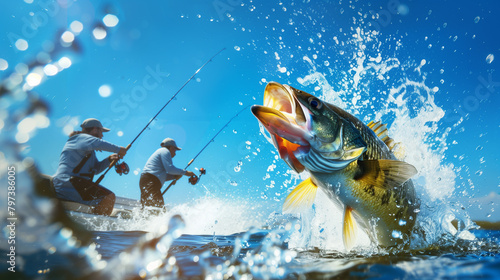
(122, 168)
(193, 180)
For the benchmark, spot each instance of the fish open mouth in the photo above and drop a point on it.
(286, 120)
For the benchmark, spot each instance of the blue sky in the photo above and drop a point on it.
(157, 46)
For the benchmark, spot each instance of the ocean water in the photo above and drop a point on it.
(378, 66)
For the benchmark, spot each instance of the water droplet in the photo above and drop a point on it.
(50, 70)
(105, 91)
(68, 37)
(233, 183)
(403, 9)
(3, 64)
(327, 63)
(184, 109)
(237, 168)
(76, 26)
(402, 222)
(21, 44)
(479, 173)
(416, 211)
(237, 48)
(110, 20)
(27, 125)
(396, 234)
(489, 58)
(99, 33)
(479, 148)
(476, 20)
(234, 131)
(34, 79)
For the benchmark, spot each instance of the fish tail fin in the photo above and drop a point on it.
(384, 173)
(350, 228)
(302, 197)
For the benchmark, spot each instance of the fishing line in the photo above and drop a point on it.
(211, 140)
(130, 145)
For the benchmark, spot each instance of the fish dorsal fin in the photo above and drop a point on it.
(350, 229)
(385, 173)
(380, 129)
(301, 198)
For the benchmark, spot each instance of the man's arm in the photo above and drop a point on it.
(166, 159)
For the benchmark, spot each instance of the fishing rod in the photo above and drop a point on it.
(202, 171)
(130, 145)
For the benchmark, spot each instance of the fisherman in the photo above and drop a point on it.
(78, 164)
(158, 169)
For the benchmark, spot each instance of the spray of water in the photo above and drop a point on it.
(406, 104)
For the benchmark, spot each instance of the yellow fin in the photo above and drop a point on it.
(398, 149)
(350, 229)
(380, 130)
(302, 197)
(385, 173)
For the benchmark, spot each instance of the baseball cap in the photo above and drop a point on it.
(88, 123)
(169, 142)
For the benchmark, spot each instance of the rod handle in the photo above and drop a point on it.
(113, 162)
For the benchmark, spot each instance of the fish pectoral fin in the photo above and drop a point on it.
(350, 228)
(385, 173)
(301, 198)
(353, 153)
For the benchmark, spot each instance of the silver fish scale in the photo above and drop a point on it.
(375, 148)
(404, 196)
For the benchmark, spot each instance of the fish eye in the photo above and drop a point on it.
(315, 103)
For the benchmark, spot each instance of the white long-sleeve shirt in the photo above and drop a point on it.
(74, 151)
(160, 164)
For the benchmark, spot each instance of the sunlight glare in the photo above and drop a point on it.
(68, 37)
(21, 44)
(110, 20)
(105, 91)
(64, 62)
(76, 27)
(50, 70)
(99, 33)
(3, 64)
(34, 79)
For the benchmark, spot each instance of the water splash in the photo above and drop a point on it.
(408, 107)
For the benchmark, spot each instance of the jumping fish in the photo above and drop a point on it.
(351, 162)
